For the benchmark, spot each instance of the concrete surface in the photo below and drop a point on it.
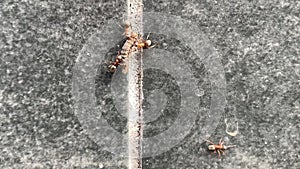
(258, 42)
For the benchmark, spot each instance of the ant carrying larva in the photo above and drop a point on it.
(133, 43)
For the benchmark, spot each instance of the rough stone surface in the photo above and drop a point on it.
(257, 40)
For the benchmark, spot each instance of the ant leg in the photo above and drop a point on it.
(125, 70)
(231, 146)
(221, 142)
(223, 152)
(118, 55)
(214, 152)
(152, 46)
(219, 153)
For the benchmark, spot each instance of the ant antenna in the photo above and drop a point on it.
(206, 140)
(119, 25)
(148, 35)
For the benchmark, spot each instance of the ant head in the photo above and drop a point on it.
(148, 42)
(127, 24)
(134, 35)
(112, 68)
(211, 147)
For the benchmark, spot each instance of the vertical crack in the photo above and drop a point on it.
(135, 94)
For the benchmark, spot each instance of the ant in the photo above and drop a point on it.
(218, 148)
(133, 43)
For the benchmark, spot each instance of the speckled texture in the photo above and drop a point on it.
(258, 42)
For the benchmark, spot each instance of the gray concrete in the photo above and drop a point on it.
(258, 42)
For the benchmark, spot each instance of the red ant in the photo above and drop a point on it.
(218, 148)
(133, 43)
